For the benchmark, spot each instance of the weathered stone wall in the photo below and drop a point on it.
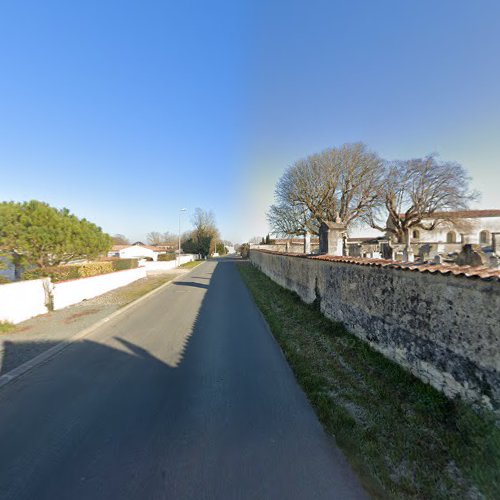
(443, 328)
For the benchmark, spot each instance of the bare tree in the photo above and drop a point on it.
(340, 183)
(154, 238)
(120, 239)
(417, 193)
(169, 238)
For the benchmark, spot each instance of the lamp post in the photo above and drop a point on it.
(180, 213)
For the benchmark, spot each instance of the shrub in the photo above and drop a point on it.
(6, 326)
(166, 256)
(4, 280)
(95, 268)
(55, 273)
(244, 250)
(122, 264)
(76, 271)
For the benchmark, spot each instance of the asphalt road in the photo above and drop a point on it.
(185, 396)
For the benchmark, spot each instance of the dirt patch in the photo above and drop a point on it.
(75, 316)
(23, 329)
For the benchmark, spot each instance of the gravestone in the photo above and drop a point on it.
(471, 255)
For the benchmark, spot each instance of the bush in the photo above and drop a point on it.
(6, 327)
(55, 273)
(76, 271)
(245, 250)
(4, 280)
(166, 256)
(122, 264)
(95, 268)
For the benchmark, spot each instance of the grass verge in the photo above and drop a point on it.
(142, 287)
(404, 438)
(6, 327)
(193, 263)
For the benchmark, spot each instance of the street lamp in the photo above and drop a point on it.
(180, 213)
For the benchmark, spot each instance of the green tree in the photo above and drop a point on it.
(221, 248)
(33, 233)
(204, 232)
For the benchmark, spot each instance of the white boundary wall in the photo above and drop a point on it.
(71, 292)
(169, 264)
(23, 300)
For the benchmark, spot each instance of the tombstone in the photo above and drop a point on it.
(495, 246)
(387, 250)
(331, 240)
(438, 259)
(494, 261)
(471, 256)
(307, 243)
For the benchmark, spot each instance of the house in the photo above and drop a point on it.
(458, 228)
(136, 251)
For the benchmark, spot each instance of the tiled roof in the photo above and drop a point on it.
(463, 214)
(294, 241)
(484, 273)
(117, 248)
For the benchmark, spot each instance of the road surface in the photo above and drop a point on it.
(186, 396)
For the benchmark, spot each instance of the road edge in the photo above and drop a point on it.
(43, 357)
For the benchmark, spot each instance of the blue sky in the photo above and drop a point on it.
(127, 111)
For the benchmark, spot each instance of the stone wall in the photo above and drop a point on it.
(443, 328)
(292, 247)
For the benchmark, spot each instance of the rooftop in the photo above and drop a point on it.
(462, 214)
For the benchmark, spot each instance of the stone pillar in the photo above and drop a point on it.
(495, 243)
(408, 255)
(331, 240)
(307, 243)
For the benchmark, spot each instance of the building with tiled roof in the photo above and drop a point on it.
(137, 251)
(457, 228)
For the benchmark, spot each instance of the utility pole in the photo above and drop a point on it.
(179, 252)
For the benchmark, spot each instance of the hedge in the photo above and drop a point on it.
(122, 264)
(76, 271)
(166, 256)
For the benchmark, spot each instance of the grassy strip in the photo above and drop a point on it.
(6, 327)
(404, 438)
(142, 287)
(193, 263)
